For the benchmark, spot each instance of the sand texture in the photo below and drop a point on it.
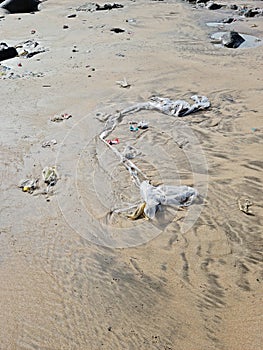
(75, 274)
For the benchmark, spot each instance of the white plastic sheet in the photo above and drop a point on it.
(178, 196)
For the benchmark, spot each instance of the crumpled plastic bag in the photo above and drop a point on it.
(130, 152)
(179, 108)
(179, 196)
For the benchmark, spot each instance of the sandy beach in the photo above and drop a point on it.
(76, 273)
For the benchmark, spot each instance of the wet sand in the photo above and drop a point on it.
(192, 289)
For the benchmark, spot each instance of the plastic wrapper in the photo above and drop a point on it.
(179, 196)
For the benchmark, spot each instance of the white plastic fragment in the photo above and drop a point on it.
(29, 185)
(29, 48)
(143, 125)
(179, 196)
(130, 152)
(123, 83)
(49, 143)
(50, 176)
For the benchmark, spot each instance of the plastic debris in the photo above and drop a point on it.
(139, 212)
(130, 152)
(15, 73)
(91, 6)
(154, 197)
(50, 176)
(133, 128)
(49, 143)
(254, 129)
(142, 125)
(61, 117)
(244, 206)
(131, 21)
(179, 196)
(123, 83)
(29, 185)
(113, 142)
(177, 108)
(4, 70)
(29, 48)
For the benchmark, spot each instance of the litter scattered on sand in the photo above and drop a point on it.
(29, 48)
(49, 143)
(49, 179)
(244, 206)
(25, 49)
(29, 185)
(154, 197)
(92, 6)
(50, 176)
(60, 117)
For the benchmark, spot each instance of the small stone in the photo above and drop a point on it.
(233, 7)
(117, 30)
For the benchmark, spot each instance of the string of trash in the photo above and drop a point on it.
(153, 196)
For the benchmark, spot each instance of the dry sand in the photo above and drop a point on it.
(194, 289)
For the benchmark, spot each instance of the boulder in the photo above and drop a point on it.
(3, 12)
(228, 20)
(232, 40)
(232, 7)
(213, 6)
(252, 13)
(202, 1)
(7, 52)
(20, 6)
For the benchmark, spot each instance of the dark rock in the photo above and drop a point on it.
(3, 12)
(117, 30)
(251, 13)
(7, 52)
(213, 6)
(233, 7)
(20, 6)
(232, 40)
(228, 20)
